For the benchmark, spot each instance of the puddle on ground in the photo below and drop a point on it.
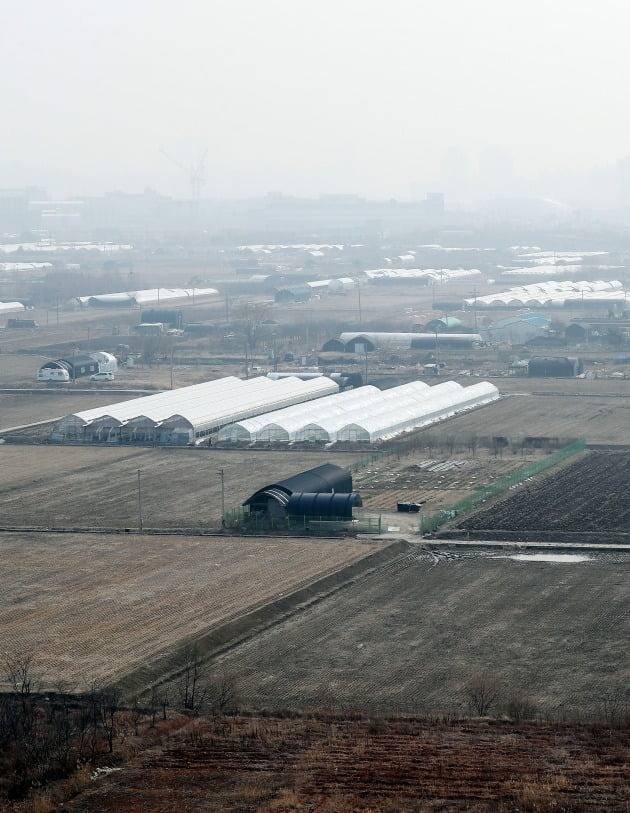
(560, 558)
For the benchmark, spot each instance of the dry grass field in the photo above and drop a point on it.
(94, 607)
(337, 765)
(408, 637)
(80, 486)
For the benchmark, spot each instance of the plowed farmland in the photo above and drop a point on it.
(409, 636)
(591, 494)
(95, 607)
(318, 764)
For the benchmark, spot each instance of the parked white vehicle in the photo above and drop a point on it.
(104, 376)
(53, 374)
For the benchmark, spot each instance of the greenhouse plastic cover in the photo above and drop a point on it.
(364, 414)
(202, 406)
(149, 296)
(551, 293)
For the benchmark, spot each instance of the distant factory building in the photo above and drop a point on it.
(517, 329)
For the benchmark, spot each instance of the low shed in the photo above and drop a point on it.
(555, 366)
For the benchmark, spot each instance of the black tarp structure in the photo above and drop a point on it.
(325, 479)
(333, 506)
(555, 366)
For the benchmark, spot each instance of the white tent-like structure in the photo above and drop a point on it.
(365, 414)
(149, 296)
(11, 307)
(189, 414)
(551, 294)
(430, 275)
(366, 341)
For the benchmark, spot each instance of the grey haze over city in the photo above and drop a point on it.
(385, 100)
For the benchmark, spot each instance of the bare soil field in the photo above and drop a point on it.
(94, 607)
(335, 764)
(596, 419)
(84, 487)
(590, 494)
(18, 409)
(435, 481)
(564, 386)
(408, 637)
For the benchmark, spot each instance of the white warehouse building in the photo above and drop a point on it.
(366, 414)
(187, 415)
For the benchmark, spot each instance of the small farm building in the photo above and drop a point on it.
(170, 317)
(77, 366)
(326, 479)
(444, 324)
(555, 366)
(366, 342)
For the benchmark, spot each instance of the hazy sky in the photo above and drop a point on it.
(387, 98)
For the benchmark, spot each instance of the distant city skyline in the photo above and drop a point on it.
(527, 99)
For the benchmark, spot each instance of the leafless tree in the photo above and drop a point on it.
(519, 706)
(482, 692)
(614, 704)
(192, 690)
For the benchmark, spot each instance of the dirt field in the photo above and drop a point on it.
(61, 486)
(270, 764)
(598, 420)
(591, 494)
(408, 637)
(17, 409)
(435, 482)
(94, 607)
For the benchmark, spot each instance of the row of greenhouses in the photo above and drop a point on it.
(187, 415)
(365, 415)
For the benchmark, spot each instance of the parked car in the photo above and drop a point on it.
(102, 377)
(53, 374)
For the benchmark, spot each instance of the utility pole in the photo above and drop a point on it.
(140, 521)
(437, 353)
(172, 349)
(359, 292)
(221, 474)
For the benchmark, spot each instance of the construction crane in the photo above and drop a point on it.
(194, 172)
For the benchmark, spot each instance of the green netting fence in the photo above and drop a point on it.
(239, 518)
(431, 522)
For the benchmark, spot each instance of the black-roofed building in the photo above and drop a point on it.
(327, 479)
(78, 365)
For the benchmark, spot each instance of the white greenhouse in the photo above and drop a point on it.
(551, 294)
(149, 296)
(363, 415)
(189, 414)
